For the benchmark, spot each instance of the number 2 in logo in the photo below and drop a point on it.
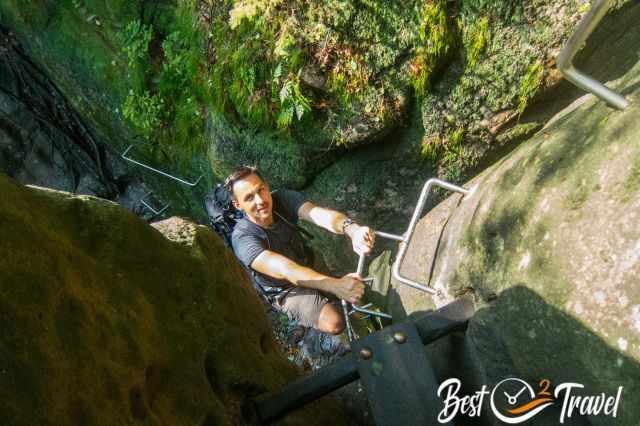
(544, 388)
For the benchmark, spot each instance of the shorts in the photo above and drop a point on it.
(303, 305)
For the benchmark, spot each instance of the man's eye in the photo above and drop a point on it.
(249, 198)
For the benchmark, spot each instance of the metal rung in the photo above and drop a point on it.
(406, 237)
(131, 160)
(395, 270)
(370, 312)
(574, 44)
(154, 211)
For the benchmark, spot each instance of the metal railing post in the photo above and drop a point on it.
(574, 44)
(131, 160)
(404, 244)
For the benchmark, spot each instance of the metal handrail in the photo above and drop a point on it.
(124, 156)
(154, 211)
(406, 239)
(574, 44)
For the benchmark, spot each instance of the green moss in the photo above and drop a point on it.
(476, 37)
(448, 151)
(167, 92)
(529, 85)
(519, 132)
(437, 40)
(504, 10)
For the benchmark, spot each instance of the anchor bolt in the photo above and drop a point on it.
(399, 337)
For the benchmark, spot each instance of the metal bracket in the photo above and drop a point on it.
(430, 327)
(406, 238)
(399, 379)
(154, 211)
(574, 44)
(362, 309)
(131, 160)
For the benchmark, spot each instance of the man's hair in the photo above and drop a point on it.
(239, 174)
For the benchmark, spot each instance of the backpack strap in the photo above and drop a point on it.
(294, 226)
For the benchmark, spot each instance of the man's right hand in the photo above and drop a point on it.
(350, 288)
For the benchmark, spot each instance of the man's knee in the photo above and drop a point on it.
(331, 320)
(335, 327)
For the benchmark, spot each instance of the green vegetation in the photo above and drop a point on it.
(321, 73)
(168, 87)
(311, 68)
(504, 10)
(437, 39)
(475, 39)
(530, 85)
(297, 79)
(449, 149)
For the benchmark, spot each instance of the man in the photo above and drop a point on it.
(268, 243)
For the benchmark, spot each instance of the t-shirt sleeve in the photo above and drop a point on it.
(289, 202)
(247, 247)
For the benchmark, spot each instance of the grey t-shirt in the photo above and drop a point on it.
(249, 240)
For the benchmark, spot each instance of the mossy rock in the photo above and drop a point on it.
(547, 242)
(108, 321)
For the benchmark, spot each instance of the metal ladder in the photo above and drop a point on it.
(404, 240)
(160, 172)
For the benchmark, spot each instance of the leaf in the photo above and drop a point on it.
(285, 92)
(284, 118)
(277, 73)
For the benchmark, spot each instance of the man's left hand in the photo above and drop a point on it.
(362, 237)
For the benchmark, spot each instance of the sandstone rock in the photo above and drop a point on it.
(106, 321)
(548, 242)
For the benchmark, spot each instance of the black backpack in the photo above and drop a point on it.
(222, 214)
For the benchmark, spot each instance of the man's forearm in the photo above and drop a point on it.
(280, 267)
(347, 288)
(329, 219)
(306, 277)
(283, 268)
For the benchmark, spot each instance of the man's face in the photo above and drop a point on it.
(252, 196)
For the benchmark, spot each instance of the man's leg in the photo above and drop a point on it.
(312, 309)
(331, 319)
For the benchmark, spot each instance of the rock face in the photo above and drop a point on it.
(106, 321)
(63, 81)
(380, 184)
(548, 242)
(44, 141)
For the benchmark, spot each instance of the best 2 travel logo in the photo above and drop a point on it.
(515, 401)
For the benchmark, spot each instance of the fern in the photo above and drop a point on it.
(135, 39)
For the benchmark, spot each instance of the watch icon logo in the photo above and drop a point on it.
(514, 401)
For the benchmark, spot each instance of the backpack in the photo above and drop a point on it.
(222, 214)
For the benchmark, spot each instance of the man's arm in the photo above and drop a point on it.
(362, 237)
(280, 267)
